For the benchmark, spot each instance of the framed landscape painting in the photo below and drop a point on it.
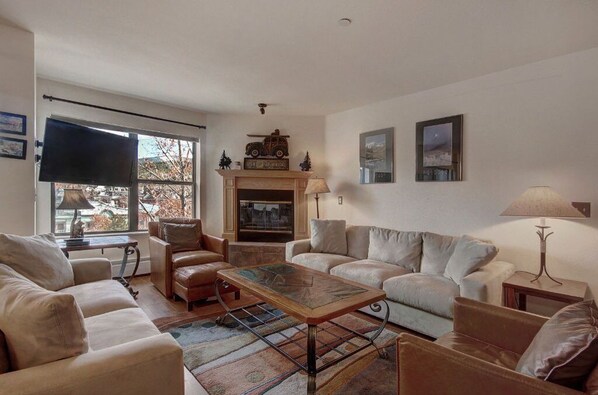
(376, 156)
(438, 149)
(13, 148)
(13, 123)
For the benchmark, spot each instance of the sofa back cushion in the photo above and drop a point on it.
(358, 241)
(4, 357)
(469, 255)
(38, 258)
(396, 247)
(328, 236)
(40, 326)
(436, 252)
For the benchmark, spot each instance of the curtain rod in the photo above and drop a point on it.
(52, 98)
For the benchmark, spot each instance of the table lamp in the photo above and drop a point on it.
(74, 199)
(542, 202)
(316, 185)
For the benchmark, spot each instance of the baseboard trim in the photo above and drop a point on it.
(144, 266)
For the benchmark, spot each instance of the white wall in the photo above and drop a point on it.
(530, 125)
(229, 132)
(17, 92)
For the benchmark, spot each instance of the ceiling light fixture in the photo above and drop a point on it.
(262, 107)
(344, 22)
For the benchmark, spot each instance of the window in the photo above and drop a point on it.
(164, 187)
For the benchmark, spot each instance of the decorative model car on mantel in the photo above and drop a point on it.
(274, 144)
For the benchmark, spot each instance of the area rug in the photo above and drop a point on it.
(230, 360)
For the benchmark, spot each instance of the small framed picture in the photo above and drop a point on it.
(13, 148)
(376, 156)
(13, 123)
(438, 149)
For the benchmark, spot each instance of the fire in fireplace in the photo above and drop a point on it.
(265, 215)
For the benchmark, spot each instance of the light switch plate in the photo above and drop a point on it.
(340, 200)
(583, 207)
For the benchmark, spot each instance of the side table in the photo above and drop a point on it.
(127, 244)
(518, 286)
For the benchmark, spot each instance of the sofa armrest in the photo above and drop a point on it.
(152, 365)
(88, 270)
(428, 368)
(216, 244)
(506, 328)
(485, 284)
(161, 265)
(296, 247)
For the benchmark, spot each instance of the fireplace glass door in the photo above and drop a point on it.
(264, 220)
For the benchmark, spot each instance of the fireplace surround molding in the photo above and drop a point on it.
(281, 180)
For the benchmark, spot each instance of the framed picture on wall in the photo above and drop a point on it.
(13, 123)
(13, 148)
(438, 149)
(376, 156)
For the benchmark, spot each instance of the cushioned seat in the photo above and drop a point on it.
(480, 350)
(100, 297)
(368, 272)
(191, 258)
(434, 294)
(118, 327)
(321, 261)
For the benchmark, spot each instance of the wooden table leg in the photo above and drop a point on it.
(509, 299)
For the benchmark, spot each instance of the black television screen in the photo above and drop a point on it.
(77, 154)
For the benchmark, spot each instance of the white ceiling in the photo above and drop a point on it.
(227, 56)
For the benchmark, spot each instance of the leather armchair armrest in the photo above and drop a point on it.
(161, 265)
(428, 368)
(506, 328)
(296, 247)
(216, 244)
(88, 270)
(485, 284)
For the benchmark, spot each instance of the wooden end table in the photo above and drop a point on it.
(518, 286)
(127, 244)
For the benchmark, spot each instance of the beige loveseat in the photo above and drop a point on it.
(411, 267)
(127, 354)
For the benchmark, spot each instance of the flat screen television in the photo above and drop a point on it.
(77, 154)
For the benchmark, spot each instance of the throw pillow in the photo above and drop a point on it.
(437, 251)
(182, 237)
(395, 247)
(38, 258)
(358, 241)
(565, 349)
(328, 236)
(40, 326)
(192, 221)
(469, 255)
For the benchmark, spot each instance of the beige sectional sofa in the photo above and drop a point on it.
(421, 272)
(121, 351)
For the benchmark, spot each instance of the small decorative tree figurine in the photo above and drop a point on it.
(306, 164)
(225, 161)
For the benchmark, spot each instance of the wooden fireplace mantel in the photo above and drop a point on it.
(284, 180)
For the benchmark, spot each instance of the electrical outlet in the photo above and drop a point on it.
(340, 200)
(583, 207)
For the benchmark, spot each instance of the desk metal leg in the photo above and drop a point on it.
(128, 250)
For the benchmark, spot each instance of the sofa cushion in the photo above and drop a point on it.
(321, 262)
(358, 241)
(434, 294)
(470, 254)
(478, 349)
(40, 326)
(399, 248)
(38, 258)
(100, 297)
(565, 349)
(182, 237)
(118, 327)
(192, 258)
(436, 252)
(328, 236)
(368, 272)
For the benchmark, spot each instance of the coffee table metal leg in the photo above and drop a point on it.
(217, 284)
(311, 359)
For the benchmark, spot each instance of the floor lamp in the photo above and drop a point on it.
(316, 186)
(542, 202)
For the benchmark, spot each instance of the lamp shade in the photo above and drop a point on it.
(542, 202)
(316, 185)
(74, 199)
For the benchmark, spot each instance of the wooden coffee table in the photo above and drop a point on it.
(309, 296)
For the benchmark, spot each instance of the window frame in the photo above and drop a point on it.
(133, 198)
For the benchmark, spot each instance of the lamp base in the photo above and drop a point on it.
(543, 237)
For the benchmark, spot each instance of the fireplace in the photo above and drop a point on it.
(265, 215)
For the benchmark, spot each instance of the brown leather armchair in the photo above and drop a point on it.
(164, 262)
(478, 357)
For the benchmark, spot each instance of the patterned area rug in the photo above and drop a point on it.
(230, 360)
